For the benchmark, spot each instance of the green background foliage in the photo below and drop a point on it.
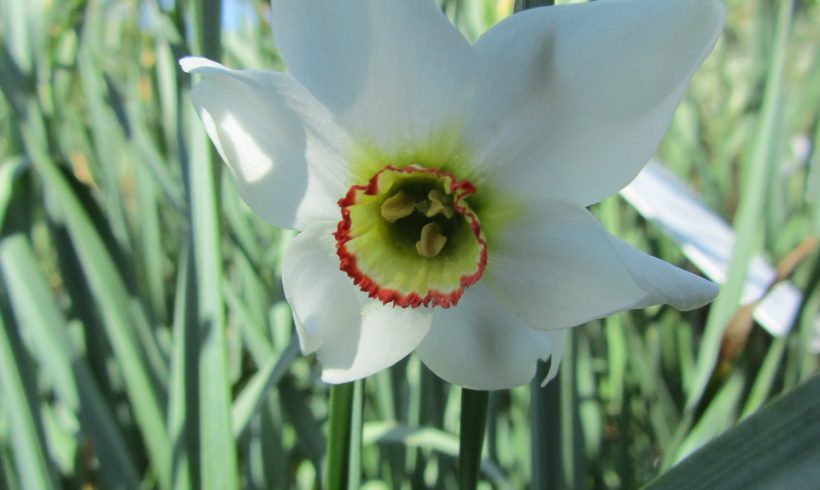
(145, 341)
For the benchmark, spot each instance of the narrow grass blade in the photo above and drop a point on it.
(183, 399)
(150, 248)
(751, 206)
(717, 418)
(255, 341)
(21, 402)
(428, 439)
(9, 171)
(294, 402)
(256, 391)
(218, 452)
(106, 139)
(762, 387)
(808, 362)
(72, 378)
(111, 297)
(8, 476)
(218, 459)
(33, 307)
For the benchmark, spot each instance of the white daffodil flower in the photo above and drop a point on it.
(440, 188)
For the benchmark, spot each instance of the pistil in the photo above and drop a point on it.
(437, 203)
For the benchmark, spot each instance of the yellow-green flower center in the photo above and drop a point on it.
(409, 237)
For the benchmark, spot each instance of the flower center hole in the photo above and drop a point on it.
(422, 213)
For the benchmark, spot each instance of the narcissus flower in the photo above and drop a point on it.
(440, 188)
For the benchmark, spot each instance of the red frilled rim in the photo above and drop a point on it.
(347, 260)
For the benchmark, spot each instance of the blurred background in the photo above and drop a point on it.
(145, 341)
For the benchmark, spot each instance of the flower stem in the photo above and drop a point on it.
(545, 410)
(473, 424)
(344, 436)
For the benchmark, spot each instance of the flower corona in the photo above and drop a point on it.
(408, 237)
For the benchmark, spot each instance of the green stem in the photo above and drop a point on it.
(473, 424)
(545, 426)
(342, 442)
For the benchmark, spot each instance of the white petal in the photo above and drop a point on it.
(392, 71)
(386, 334)
(558, 268)
(479, 345)
(284, 151)
(197, 64)
(352, 335)
(576, 98)
(663, 282)
(307, 342)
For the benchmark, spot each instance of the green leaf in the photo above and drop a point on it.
(9, 170)
(256, 391)
(21, 402)
(426, 438)
(33, 306)
(774, 448)
(717, 418)
(111, 297)
(760, 165)
(183, 402)
(762, 386)
(71, 376)
(218, 457)
(218, 451)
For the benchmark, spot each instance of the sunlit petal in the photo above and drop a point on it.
(575, 99)
(391, 71)
(282, 147)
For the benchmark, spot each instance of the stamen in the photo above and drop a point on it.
(438, 204)
(397, 206)
(432, 241)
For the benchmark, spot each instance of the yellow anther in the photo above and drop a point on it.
(397, 206)
(438, 203)
(432, 241)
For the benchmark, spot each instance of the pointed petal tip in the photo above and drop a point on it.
(337, 376)
(704, 294)
(710, 19)
(716, 8)
(198, 64)
(716, 12)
